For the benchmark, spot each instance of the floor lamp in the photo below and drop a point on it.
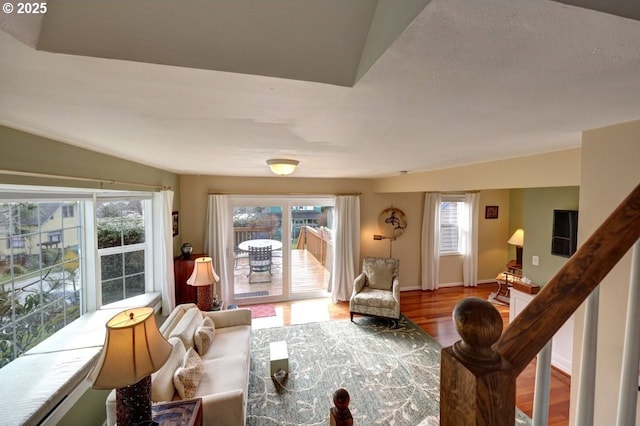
(382, 237)
(133, 349)
(203, 277)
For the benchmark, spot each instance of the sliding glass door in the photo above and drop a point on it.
(282, 248)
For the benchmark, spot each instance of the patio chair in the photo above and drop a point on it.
(259, 261)
(238, 253)
(376, 291)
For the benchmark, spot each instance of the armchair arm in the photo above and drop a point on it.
(396, 289)
(359, 283)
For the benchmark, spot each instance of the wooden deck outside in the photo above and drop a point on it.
(307, 276)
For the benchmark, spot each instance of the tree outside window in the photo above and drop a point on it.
(121, 247)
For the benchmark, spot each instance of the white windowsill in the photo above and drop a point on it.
(39, 381)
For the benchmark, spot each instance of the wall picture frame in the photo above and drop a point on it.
(175, 222)
(491, 212)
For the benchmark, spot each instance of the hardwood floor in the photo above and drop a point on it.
(431, 310)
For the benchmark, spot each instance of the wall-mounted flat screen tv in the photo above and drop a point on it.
(565, 233)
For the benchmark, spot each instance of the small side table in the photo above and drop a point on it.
(187, 412)
(219, 306)
(279, 357)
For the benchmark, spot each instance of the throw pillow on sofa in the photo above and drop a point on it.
(162, 388)
(187, 378)
(208, 322)
(203, 338)
(187, 325)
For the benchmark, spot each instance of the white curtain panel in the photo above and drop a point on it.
(217, 239)
(346, 247)
(470, 239)
(163, 258)
(431, 241)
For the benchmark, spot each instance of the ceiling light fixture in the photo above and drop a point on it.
(282, 166)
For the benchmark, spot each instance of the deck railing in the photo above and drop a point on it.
(245, 233)
(318, 242)
(478, 373)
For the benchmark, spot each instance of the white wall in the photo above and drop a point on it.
(610, 170)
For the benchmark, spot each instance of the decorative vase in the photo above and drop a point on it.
(186, 249)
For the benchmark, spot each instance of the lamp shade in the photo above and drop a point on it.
(517, 239)
(203, 273)
(133, 349)
(282, 166)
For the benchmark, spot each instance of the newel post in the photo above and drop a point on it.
(477, 386)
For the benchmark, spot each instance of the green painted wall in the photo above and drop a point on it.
(516, 216)
(89, 410)
(25, 152)
(539, 204)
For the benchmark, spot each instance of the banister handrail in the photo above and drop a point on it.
(564, 293)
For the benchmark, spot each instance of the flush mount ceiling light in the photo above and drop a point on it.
(282, 166)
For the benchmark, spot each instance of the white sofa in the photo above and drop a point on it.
(225, 380)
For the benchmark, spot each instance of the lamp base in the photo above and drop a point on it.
(205, 298)
(519, 255)
(133, 403)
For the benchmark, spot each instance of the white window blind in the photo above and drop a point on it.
(450, 215)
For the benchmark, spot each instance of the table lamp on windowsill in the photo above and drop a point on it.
(517, 239)
(133, 349)
(203, 277)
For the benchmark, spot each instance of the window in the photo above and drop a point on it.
(68, 210)
(40, 283)
(15, 241)
(55, 236)
(122, 248)
(450, 226)
(47, 278)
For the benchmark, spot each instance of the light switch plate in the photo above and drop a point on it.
(535, 260)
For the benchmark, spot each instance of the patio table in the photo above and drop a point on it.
(275, 244)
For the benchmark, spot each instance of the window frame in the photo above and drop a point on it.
(146, 246)
(85, 224)
(460, 203)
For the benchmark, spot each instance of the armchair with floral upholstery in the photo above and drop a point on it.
(376, 291)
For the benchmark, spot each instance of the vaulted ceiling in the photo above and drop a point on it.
(357, 88)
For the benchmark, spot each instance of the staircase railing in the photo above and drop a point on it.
(478, 373)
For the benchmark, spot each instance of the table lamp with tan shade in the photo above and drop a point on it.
(517, 239)
(133, 349)
(204, 277)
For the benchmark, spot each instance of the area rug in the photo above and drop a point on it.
(261, 311)
(392, 375)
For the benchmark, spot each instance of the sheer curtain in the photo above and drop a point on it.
(469, 224)
(163, 250)
(431, 241)
(216, 242)
(346, 249)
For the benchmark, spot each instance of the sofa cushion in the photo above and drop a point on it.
(203, 338)
(223, 375)
(375, 298)
(185, 329)
(230, 342)
(187, 377)
(162, 388)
